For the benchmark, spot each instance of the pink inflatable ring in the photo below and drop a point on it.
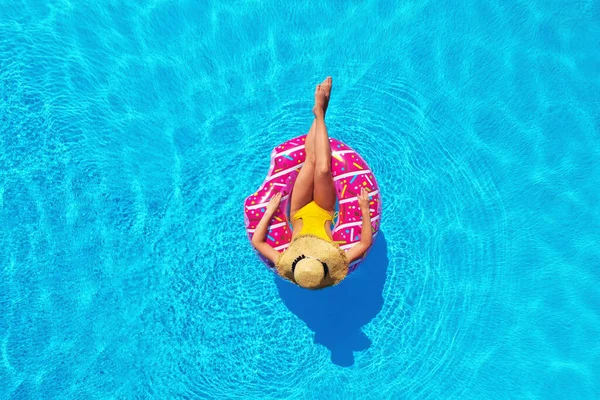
(350, 173)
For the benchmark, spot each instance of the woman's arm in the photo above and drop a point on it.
(366, 235)
(258, 238)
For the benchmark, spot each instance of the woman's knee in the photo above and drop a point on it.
(310, 158)
(323, 169)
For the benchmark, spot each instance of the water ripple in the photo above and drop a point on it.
(131, 133)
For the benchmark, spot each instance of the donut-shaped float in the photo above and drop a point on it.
(350, 173)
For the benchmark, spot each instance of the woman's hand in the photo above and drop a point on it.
(258, 237)
(273, 204)
(363, 200)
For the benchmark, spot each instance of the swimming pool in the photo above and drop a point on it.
(131, 132)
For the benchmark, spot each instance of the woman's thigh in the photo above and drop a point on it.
(324, 190)
(302, 192)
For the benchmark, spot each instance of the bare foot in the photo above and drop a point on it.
(322, 93)
(326, 85)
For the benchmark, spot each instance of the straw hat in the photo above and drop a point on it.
(312, 262)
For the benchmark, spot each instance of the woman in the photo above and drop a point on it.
(313, 260)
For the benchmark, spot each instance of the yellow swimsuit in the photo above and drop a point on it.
(313, 220)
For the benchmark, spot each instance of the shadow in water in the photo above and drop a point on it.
(337, 314)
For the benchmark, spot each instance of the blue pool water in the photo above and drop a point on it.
(131, 132)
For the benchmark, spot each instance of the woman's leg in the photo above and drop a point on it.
(324, 189)
(302, 193)
(303, 190)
